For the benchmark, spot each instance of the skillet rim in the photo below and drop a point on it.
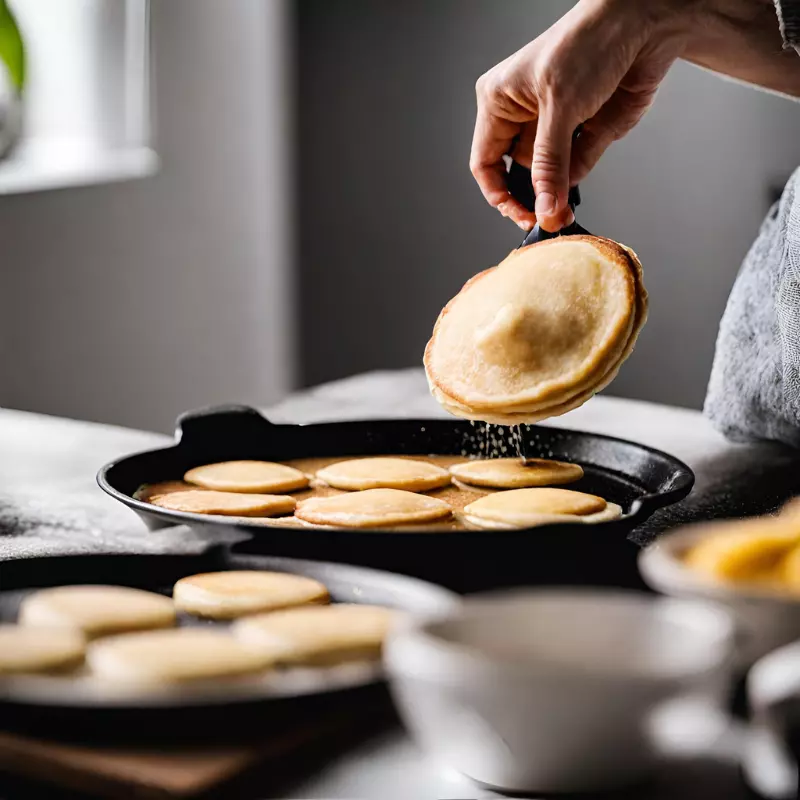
(681, 481)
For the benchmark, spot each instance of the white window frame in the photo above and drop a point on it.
(120, 145)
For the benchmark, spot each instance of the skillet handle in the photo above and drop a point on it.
(220, 429)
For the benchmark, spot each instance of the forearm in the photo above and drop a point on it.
(742, 39)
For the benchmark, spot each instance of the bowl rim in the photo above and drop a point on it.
(662, 568)
(774, 677)
(424, 653)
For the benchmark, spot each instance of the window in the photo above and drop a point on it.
(87, 95)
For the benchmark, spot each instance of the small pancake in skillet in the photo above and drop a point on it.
(97, 610)
(373, 508)
(157, 658)
(384, 473)
(515, 473)
(149, 491)
(227, 595)
(28, 650)
(227, 504)
(319, 636)
(253, 477)
(522, 508)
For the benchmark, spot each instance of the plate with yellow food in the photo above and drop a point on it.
(750, 565)
(181, 645)
(469, 505)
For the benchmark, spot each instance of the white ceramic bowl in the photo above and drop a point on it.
(765, 620)
(554, 690)
(773, 692)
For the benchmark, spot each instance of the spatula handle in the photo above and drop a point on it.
(520, 187)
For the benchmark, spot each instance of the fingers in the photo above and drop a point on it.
(491, 141)
(550, 169)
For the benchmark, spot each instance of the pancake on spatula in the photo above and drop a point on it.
(523, 508)
(257, 477)
(373, 508)
(383, 472)
(515, 473)
(539, 334)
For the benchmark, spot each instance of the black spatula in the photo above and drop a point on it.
(518, 180)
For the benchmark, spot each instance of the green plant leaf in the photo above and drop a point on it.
(12, 49)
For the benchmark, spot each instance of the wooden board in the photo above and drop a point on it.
(153, 774)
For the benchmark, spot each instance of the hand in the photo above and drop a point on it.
(599, 65)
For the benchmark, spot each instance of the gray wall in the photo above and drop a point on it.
(132, 302)
(392, 224)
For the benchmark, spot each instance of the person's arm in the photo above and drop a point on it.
(600, 65)
(742, 39)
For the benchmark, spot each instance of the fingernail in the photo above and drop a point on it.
(526, 225)
(545, 203)
(503, 209)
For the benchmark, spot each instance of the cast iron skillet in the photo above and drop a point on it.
(56, 707)
(639, 478)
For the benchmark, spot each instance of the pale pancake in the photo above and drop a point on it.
(97, 610)
(510, 334)
(373, 508)
(227, 504)
(516, 473)
(319, 636)
(535, 325)
(227, 595)
(149, 491)
(521, 508)
(254, 477)
(166, 657)
(27, 650)
(606, 370)
(611, 512)
(574, 398)
(382, 472)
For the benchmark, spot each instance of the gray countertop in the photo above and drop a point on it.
(50, 504)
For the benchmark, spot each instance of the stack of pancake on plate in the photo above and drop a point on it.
(539, 334)
(124, 636)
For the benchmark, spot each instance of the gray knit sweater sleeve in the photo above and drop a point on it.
(789, 18)
(754, 390)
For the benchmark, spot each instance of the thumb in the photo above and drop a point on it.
(550, 168)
